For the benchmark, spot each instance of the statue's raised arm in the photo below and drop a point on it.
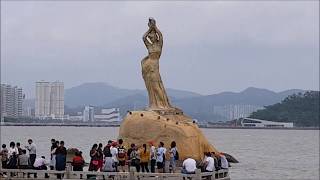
(145, 38)
(160, 37)
(152, 25)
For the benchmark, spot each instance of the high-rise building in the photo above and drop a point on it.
(49, 99)
(88, 114)
(57, 99)
(11, 101)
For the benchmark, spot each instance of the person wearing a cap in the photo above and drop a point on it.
(114, 153)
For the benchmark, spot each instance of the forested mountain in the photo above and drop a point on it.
(302, 109)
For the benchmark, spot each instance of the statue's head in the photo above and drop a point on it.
(152, 22)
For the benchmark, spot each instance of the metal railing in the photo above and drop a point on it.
(132, 175)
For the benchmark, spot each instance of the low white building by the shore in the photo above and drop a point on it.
(250, 122)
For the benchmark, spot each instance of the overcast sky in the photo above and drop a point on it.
(209, 47)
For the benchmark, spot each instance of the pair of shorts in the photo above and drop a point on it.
(159, 165)
(122, 163)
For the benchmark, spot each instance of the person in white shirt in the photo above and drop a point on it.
(189, 166)
(32, 151)
(152, 156)
(224, 161)
(13, 155)
(40, 163)
(114, 153)
(209, 163)
(161, 152)
(13, 150)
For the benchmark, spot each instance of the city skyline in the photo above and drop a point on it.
(222, 46)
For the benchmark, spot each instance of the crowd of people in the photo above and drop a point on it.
(113, 157)
(16, 157)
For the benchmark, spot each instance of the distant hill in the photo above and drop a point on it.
(251, 95)
(98, 94)
(202, 107)
(196, 105)
(301, 109)
(95, 94)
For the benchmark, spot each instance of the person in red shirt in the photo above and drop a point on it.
(78, 161)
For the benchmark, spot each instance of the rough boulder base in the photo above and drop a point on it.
(140, 127)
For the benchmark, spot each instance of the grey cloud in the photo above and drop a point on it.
(209, 46)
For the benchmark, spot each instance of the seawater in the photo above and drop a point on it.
(263, 153)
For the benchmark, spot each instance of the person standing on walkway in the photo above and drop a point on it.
(144, 158)
(13, 156)
(100, 156)
(161, 152)
(32, 151)
(114, 153)
(61, 155)
(23, 160)
(121, 155)
(4, 156)
(173, 156)
(129, 155)
(52, 155)
(135, 158)
(153, 156)
(19, 148)
(94, 158)
(54, 147)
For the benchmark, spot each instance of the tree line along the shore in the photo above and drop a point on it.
(302, 109)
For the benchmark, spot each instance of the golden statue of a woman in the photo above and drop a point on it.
(153, 40)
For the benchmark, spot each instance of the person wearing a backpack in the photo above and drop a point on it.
(121, 155)
(174, 156)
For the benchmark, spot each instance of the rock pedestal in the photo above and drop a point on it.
(140, 127)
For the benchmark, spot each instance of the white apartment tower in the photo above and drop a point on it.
(11, 101)
(49, 99)
(88, 114)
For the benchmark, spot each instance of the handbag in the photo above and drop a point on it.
(95, 162)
